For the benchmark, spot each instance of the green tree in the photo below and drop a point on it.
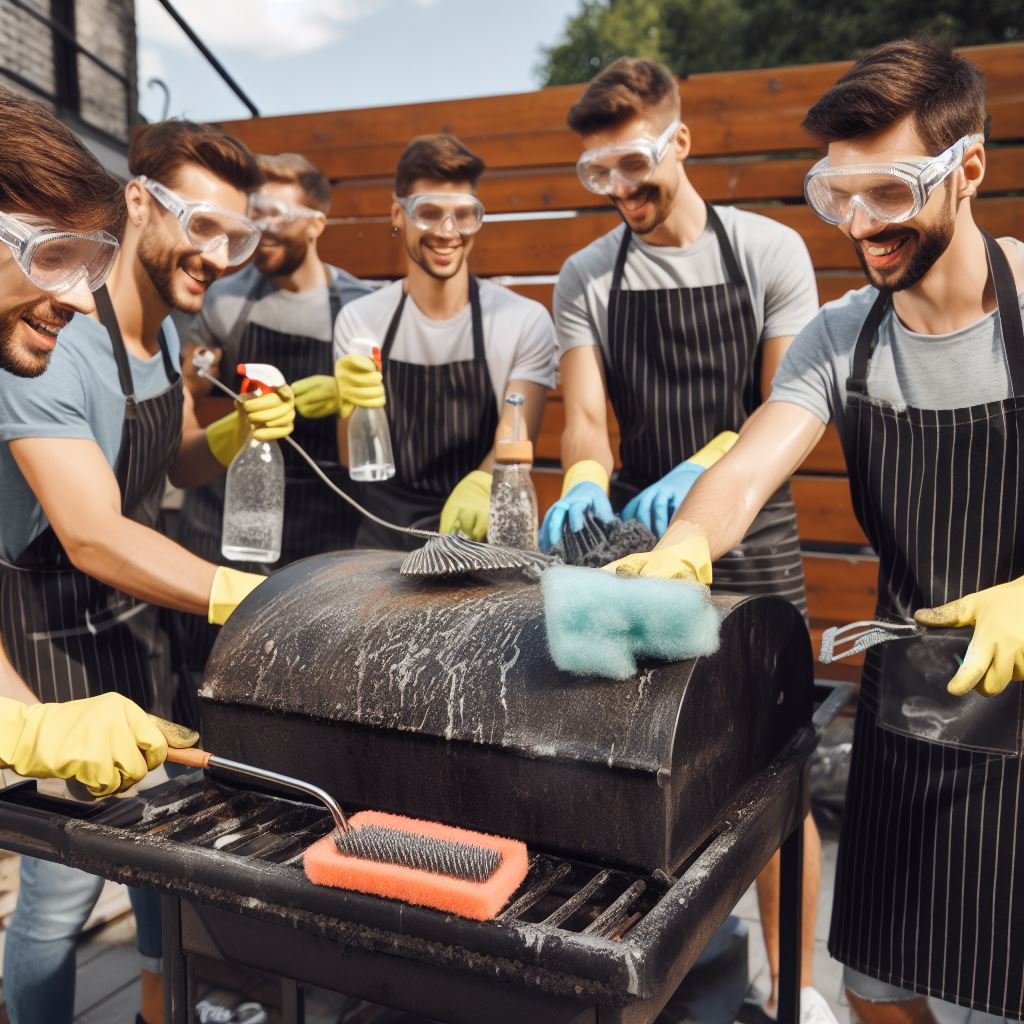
(692, 36)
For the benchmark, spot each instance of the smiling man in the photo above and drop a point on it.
(90, 443)
(680, 316)
(452, 347)
(922, 371)
(281, 310)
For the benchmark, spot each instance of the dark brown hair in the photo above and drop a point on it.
(158, 150)
(46, 172)
(437, 158)
(627, 88)
(919, 78)
(295, 169)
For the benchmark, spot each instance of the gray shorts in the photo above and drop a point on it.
(872, 990)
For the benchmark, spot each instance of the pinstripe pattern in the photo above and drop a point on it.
(930, 879)
(315, 520)
(683, 365)
(442, 421)
(70, 635)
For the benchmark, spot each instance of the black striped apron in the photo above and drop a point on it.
(683, 365)
(442, 421)
(315, 520)
(68, 634)
(930, 879)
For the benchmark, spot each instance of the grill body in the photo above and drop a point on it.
(441, 701)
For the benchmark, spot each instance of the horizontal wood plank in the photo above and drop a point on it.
(720, 180)
(839, 589)
(823, 510)
(528, 247)
(756, 111)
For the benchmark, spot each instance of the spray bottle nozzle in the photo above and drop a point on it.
(515, 448)
(259, 378)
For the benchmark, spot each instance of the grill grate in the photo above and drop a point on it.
(558, 894)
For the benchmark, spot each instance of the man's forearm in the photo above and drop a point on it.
(195, 463)
(582, 441)
(147, 565)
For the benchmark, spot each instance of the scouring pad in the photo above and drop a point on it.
(599, 624)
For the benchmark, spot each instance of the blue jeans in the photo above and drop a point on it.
(54, 903)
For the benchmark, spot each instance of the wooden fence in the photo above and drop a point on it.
(748, 149)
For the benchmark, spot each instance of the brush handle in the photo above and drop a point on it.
(191, 757)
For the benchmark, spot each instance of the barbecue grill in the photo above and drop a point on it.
(649, 805)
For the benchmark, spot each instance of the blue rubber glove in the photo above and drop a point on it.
(655, 506)
(585, 486)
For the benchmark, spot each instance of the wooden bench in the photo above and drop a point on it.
(748, 149)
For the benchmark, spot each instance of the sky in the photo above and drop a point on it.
(292, 56)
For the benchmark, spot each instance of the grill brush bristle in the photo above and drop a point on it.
(449, 554)
(424, 853)
(597, 543)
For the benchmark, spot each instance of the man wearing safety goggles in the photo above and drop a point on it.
(679, 317)
(922, 372)
(279, 310)
(451, 345)
(90, 444)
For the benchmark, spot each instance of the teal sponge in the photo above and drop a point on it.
(599, 624)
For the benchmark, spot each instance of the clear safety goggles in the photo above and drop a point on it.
(56, 260)
(626, 163)
(269, 213)
(888, 193)
(430, 211)
(207, 227)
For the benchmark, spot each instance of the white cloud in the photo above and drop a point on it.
(264, 28)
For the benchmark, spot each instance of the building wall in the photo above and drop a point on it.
(28, 56)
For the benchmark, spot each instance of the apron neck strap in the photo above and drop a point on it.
(1001, 275)
(732, 266)
(475, 312)
(334, 303)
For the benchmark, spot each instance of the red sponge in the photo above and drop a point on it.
(326, 865)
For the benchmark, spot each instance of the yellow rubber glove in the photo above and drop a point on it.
(714, 449)
(107, 743)
(585, 471)
(995, 656)
(230, 588)
(359, 383)
(268, 417)
(468, 506)
(687, 559)
(316, 397)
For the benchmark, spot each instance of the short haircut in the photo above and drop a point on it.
(46, 172)
(159, 150)
(920, 78)
(627, 88)
(437, 158)
(295, 169)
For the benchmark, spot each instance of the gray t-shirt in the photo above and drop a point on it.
(79, 396)
(924, 371)
(304, 314)
(773, 258)
(519, 338)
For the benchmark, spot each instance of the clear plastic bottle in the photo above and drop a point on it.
(512, 520)
(254, 490)
(370, 457)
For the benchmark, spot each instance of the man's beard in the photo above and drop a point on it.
(19, 360)
(284, 259)
(661, 207)
(160, 267)
(928, 245)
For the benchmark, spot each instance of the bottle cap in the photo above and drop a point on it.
(509, 452)
(367, 347)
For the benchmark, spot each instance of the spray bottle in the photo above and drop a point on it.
(254, 491)
(369, 439)
(513, 514)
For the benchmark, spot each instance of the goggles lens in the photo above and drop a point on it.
(268, 213)
(208, 227)
(432, 211)
(626, 163)
(889, 193)
(56, 261)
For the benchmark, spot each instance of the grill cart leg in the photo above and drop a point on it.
(293, 1002)
(179, 994)
(791, 887)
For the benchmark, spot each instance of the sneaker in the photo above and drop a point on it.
(212, 1013)
(249, 1013)
(814, 1009)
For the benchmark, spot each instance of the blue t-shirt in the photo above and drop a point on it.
(79, 396)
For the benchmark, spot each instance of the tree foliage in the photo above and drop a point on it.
(692, 36)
